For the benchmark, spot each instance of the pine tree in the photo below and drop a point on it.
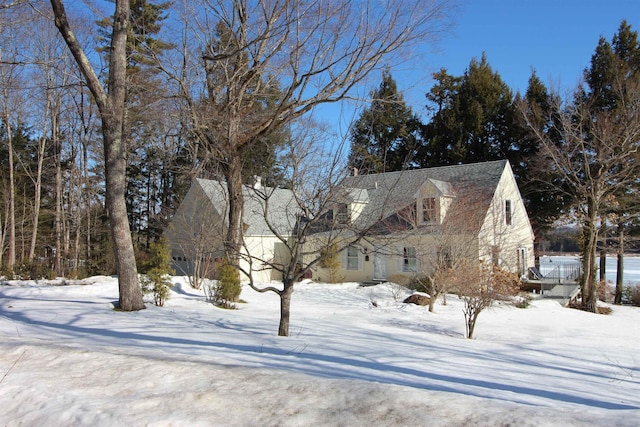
(157, 268)
(438, 135)
(475, 118)
(543, 194)
(386, 135)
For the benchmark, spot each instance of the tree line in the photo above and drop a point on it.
(105, 122)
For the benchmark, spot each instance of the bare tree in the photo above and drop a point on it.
(479, 284)
(597, 158)
(13, 93)
(303, 220)
(111, 105)
(269, 63)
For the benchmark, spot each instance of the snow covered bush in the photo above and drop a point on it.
(522, 300)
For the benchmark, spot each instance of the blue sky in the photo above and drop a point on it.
(556, 37)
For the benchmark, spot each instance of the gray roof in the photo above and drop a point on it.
(384, 195)
(281, 208)
(389, 192)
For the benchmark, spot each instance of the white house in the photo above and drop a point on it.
(411, 219)
(197, 230)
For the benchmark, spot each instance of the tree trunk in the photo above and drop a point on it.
(233, 241)
(11, 220)
(620, 265)
(37, 198)
(589, 285)
(115, 174)
(603, 264)
(434, 295)
(112, 110)
(285, 309)
(58, 211)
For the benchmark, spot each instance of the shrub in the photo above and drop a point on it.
(422, 284)
(632, 295)
(156, 281)
(330, 260)
(158, 285)
(33, 270)
(605, 291)
(523, 300)
(226, 291)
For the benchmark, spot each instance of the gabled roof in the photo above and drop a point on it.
(281, 210)
(392, 191)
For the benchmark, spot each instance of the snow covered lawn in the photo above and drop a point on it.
(67, 358)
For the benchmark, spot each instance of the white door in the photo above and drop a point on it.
(379, 266)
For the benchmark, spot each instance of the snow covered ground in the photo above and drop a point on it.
(67, 358)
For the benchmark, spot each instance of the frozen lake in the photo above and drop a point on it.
(631, 266)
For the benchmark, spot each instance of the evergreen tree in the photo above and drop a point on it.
(475, 118)
(543, 194)
(386, 135)
(439, 148)
(157, 269)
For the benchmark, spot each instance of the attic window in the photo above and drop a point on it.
(429, 209)
(508, 212)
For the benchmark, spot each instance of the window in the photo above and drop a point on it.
(508, 212)
(429, 209)
(342, 214)
(352, 258)
(409, 262)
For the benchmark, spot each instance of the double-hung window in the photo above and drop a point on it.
(409, 261)
(429, 210)
(352, 258)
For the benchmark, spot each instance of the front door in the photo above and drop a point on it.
(379, 266)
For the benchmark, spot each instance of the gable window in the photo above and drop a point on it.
(409, 261)
(429, 209)
(508, 212)
(352, 258)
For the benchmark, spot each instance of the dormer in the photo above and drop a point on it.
(433, 201)
(348, 206)
(357, 199)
